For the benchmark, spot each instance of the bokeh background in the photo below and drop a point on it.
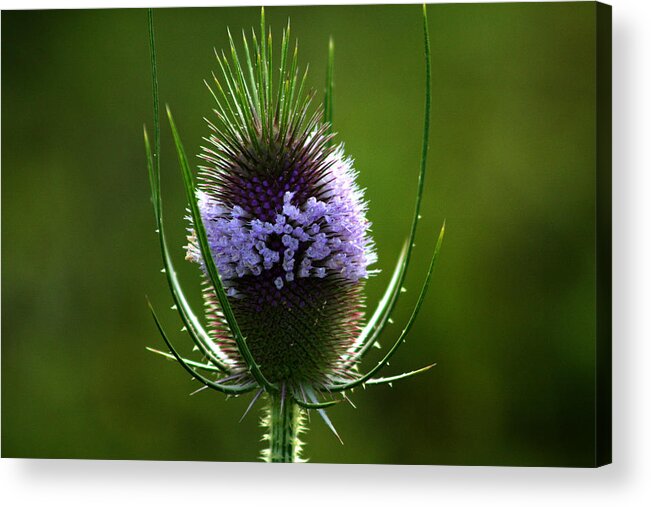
(510, 319)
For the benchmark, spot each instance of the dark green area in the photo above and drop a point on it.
(510, 320)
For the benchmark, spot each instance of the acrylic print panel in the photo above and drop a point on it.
(517, 315)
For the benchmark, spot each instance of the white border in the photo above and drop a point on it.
(627, 482)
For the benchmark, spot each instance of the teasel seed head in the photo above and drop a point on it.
(285, 221)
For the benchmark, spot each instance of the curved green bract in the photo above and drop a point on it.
(388, 380)
(155, 183)
(194, 364)
(225, 389)
(190, 321)
(421, 297)
(315, 406)
(199, 336)
(388, 302)
(213, 274)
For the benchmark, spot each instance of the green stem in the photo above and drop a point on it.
(285, 424)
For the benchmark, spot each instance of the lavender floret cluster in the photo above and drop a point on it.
(326, 235)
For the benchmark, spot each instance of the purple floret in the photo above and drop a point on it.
(327, 235)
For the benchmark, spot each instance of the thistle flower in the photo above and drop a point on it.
(277, 225)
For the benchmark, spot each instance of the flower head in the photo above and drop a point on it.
(286, 227)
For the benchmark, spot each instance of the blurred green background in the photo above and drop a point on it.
(510, 320)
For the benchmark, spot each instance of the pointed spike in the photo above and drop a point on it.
(202, 388)
(248, 409)
(323, 415)
(350, 401)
